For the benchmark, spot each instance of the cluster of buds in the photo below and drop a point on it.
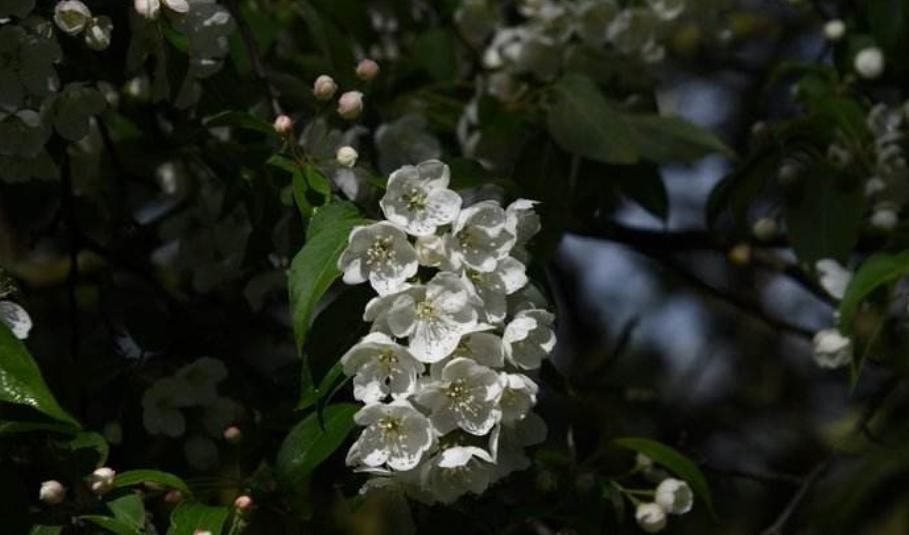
(350, 103)
(671, 497)
(443, 373)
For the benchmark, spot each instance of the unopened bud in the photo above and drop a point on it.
(350, 105)
(367, 69)
(243, 503)
(324, 88)
(233, 435)
(884, 218)
(173, 497)
(740, 255)
(52, 492)
(650, 517)
(98, 33)
(764, 228)
(869, 63)
(347, 156)
(283, 125)
(102, 480)
(834, 30)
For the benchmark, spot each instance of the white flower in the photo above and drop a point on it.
(674, 496)
(148, 9)
(884, 217)
(418, 200)
(396, 435)
(667, 9)
(529, 338)
(834, 278)
(283, 125)
(431, 250)
(510, 440)
(98, 33)
(518, 396)
(347, 156)
(202, 377)
(161, 407)
(434, 316)
(492, 287)
(367, 69)
(102, 480)
(482, 235)
(650, 517)
(456, 471)
(832, 349)
(324, 87)
(16, 318)
(381, 254)
(381, 367)
(52, 492)
(482, 347)
(350, 105)
(71, 16)
(834, 30)
(869, 63)
(177, 6)
(466, 396)
(526, 220)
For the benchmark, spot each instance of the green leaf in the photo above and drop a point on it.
(11, 428)
(675, 462)
(875, 272)
(308, 444)
(672, 139)
(317, 181)
(313, 394)
(299, 188)
(239, 119)
(283, 162)
(45, 530)
(112, 525)
(138, 477)
(93, 441)
(129, 509)
(191, 516)
(583, 122)
(312, 272)
(21, 382)
(824, 216)
(330, 215)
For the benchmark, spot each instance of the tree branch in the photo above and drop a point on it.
(252, 50)
(807, 483)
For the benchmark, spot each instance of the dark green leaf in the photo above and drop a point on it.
(675, 462)
(129, 509)
(300, 187)
(93, 441)
(317, 181)
(111, 525)
(875, 272)
(46, 530)
(283, 162)
(21, 381)
(309, 444)
(583, 122)
(329, 216)
(239, 119)
(824, 216)
(12, 428)
(671, 139)
(312, 395)
(191, 516)
(138, 477)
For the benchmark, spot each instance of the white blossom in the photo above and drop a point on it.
(202, 378)
(102, 480)
(433, 316)
(482, 347)
(482, 235)
(432, 250)
(148, 9)
(418, 200)
(650, 517)
(52, 492)
(347, 156)
(510, 440)
(456, 471)
(161, 405)
(71, 16)
(674, 496)
(834, 30)
(16, 318)
(466, 396)
(832, 349)
(834, 278)
(869, 63)
(396, 435)
(492, 288)
(381, 254)
(519, 395)
(381, 367)
(529, 338)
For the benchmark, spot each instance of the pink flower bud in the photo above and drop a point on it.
(243, 503)
(324, 88)
(52, 492)
(350, 105)
(173, 497)
(102, 480)
(233, 435)
(283, 125)
(367, 69)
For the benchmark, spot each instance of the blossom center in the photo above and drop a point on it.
(381, 251)
(415, 199)
(387, 359)
(459, 393)
(390, 426)
(426, 311)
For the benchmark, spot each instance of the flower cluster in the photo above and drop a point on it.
(194, 386)
(671, 497)
(888, 188)
(443, 372)
(831, 348)
(538, 46)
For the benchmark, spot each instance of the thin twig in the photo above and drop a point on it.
(807, 483)
(252, 50)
